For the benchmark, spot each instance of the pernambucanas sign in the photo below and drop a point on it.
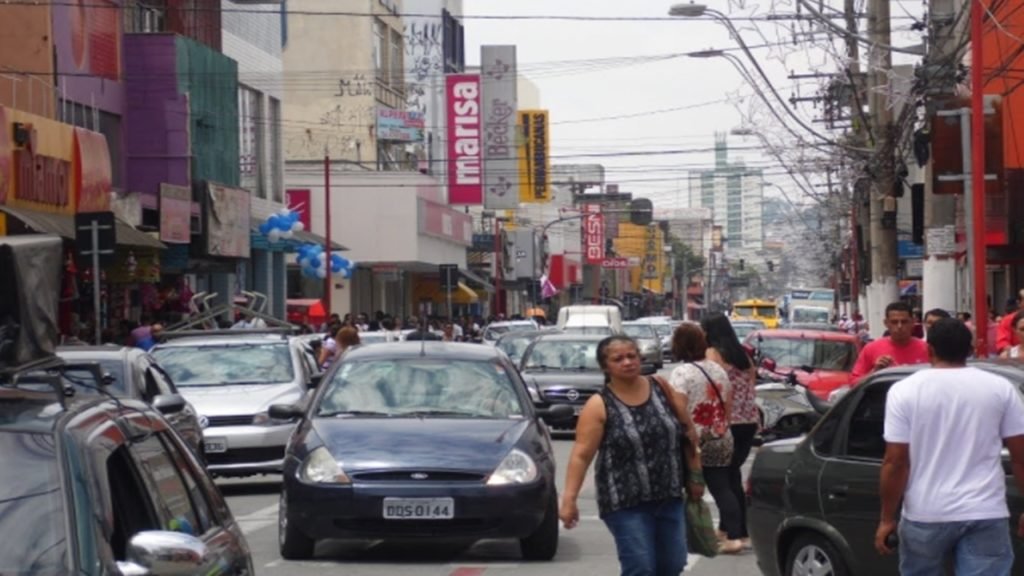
(500, 102)
(465, 154)
(534, 157)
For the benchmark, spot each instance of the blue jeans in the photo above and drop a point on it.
(976, 548)
(650, 538)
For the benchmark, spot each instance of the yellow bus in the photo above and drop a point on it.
(764, 310)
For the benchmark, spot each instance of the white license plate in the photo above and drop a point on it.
(577, 409)
(419, 508)
(215, 445)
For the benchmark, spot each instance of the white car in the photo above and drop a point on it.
(495, 330)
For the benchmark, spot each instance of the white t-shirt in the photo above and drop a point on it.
(954, 420)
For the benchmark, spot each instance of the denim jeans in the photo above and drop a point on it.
(975, 548)
(650, 538)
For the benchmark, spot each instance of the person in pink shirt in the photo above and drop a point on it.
(900, 347)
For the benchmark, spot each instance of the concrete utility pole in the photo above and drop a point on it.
(856, 107)
(884, 287)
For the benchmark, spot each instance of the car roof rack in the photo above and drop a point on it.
(11, 377)
(203, 319)
(233, 333)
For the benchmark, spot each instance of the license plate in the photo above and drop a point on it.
(215, 445)
(419, 508)
(577, 409)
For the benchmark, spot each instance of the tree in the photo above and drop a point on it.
(685, 259)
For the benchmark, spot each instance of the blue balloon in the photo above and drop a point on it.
(315, 262)
(346, 273)
(264, 229)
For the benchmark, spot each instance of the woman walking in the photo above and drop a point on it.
(724, 348)
(706, 388)
(641, 433)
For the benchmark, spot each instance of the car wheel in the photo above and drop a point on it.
(813, 555)
(293, 543)
(543, 543)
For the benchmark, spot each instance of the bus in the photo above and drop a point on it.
(764, 310)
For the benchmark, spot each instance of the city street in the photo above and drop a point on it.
(586, 550)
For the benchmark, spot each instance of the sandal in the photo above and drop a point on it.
(730, 547)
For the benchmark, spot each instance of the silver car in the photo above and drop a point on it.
(647, 338)
(232, 381)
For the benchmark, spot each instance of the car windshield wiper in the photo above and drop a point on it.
(462, 413)
(340, 413)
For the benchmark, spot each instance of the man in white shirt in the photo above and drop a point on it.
(945, 428)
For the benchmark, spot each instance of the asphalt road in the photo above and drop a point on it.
(586, 550)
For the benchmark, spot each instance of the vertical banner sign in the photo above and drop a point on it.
(593, 233)
(534, 157)
(651, 249)
(465, 155)
(501, 165)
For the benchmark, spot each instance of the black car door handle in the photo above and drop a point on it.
(838, 492)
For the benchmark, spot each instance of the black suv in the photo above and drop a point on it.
(94, 485)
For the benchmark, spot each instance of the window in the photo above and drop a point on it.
(132, 510)
(32, 513)
(145, 17)
(276, 159)
(395, 62)
(194, 487)
(227, 365)
(867, 424)
(380, 40)
(250, 134)
(173, 503)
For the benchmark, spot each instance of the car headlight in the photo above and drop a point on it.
(320, 467)
(647, 347)
(264, 419)
(516, 468)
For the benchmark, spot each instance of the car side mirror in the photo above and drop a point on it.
(169, 403)
(316, 379)
(166, 554)
(557, 412)
(648, 369)
(769, 364)
(108, 379)
(285, 411)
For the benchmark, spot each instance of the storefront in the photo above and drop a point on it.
(49, 171)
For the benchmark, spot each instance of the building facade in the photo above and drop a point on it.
(734, 193)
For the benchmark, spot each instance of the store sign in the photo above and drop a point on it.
(500, 103)
(93, 176)
(42, 179)
(615, 263)
(465, 176)
(175, 214)
(399, 125)
(441, 221)
(227, 221)
(299, 200)
(593, 234)
(534, 157)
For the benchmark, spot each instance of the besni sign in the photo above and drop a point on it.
(500, 101)
(593, 233)
(465, 157)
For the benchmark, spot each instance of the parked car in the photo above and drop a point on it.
(495, 330)
(823, 361)
(647, 338)
(419, 440)
(515, 343)
(132, 373)
(232, 380)
(814, 502)
(93, 485)
(590, 316)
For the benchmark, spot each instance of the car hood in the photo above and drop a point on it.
(239, 400)
(823, 382)
(364, 444)
(556, 379)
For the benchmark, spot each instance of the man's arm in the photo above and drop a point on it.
(864, 365)
(892, 485)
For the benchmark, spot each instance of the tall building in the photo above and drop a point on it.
(734, 192)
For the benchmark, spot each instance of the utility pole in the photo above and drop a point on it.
(884, 287)
(327, 231)
(856, 109)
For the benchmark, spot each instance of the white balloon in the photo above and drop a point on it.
(284, 211)
(274, 235)
(287, 234)
(321, 273)
(298, 227)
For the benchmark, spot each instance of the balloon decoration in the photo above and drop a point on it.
(313, 261)
(284, 224)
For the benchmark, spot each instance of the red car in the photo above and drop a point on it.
(829, 355)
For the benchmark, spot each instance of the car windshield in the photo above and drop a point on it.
(562, 355)
(226, 365)
(743, 311)
(493, 332)
(421, 387)
(820, 354)
(663, 329)
(515, 345)
(811, 315)
(31, 507)
(766, 311)
(640, 331)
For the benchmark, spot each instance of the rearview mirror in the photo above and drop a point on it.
(557, 412)
(169, 403)
(316, 379)
(285, 411)
(166, 554)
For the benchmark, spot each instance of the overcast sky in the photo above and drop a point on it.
(597, 86)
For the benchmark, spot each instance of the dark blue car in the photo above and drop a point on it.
(419, 440)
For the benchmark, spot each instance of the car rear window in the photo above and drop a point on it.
(833, 355)
(225, 365)
(32, 511)
(562, 355)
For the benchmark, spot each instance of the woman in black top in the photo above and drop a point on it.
(641, 433)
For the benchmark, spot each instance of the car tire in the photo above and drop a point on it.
(813, 554)
(293, 543)
(542, 545)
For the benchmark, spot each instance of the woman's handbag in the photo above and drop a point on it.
(700, 529)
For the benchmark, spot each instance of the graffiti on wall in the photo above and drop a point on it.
(339, 130)
(358, 85)
(424, 54)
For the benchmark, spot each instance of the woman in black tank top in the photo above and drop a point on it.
(641, 433)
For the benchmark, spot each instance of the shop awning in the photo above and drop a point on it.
(467, 293)
(475, 278)
(64, 225)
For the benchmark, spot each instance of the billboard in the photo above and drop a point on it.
(400, 125)
(465, 151)
(87, 40)
(175, 214)
(501, 166)
(92, 169)
(534, 157)
(593, 234)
